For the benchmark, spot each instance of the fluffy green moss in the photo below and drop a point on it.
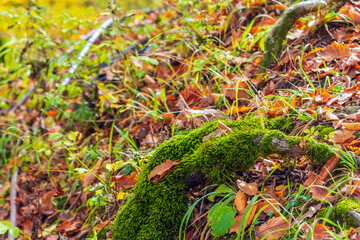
(156, 209)
(340, 211)
(324, 130)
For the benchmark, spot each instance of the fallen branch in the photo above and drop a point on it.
(274, 40)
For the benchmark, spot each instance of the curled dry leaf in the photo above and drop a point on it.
(275, 228)
(162, 170)
(250, 189)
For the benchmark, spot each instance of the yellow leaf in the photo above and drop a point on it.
(120, 196)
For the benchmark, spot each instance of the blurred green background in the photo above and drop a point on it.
(86, 9)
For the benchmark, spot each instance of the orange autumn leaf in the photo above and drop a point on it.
(352, 126)
(276, 111)
(319, 231)
(328, 168)
(161, 170)
(269, 204)
(239, 218)
(240, 201)
(235, 110)
(52, 113)
(335, 51)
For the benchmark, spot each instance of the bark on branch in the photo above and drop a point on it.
(275, 38)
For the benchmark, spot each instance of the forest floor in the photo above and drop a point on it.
(78, 147)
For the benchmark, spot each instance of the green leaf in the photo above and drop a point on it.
(5, 226)
(150, 60)
(221, 191)
(221, 219)
(14, 232)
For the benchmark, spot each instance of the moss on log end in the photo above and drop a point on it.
(342, 212)
(155, 210)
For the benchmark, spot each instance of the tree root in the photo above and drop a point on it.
(155, 210)
(275, 38)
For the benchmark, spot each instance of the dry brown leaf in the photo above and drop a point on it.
(341, 136)
(352, 12)
(347, 93)
(335, 51)
(320, 231)
(331, 117)
(237, 89)
(268, 205)
(224, 127)
(126, 181)
(250, 189)
(272, 229)
(235, 110)
(352, 126)
(100, 226)
(328, 168)
(238, 219)
(312, 210)
(89, 177)
(46, 205)
(167, 117)
(270, 189)
(216, 133)
(70, 227)
(162, 170)
(317, 187)
(240, 201)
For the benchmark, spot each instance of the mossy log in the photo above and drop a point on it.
(155, 210)
(276, 36)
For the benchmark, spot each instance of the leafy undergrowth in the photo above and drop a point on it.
(79, 147)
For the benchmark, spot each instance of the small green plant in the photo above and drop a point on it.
(6, 227)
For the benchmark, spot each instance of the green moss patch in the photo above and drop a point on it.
(155, 210)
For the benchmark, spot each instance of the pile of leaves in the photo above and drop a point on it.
(79, 147)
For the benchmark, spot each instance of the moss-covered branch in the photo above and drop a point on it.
(156, 209)
(275, 38)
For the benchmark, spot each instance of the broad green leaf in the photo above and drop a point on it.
(5, 226)
(14, 232)
(221, 219)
